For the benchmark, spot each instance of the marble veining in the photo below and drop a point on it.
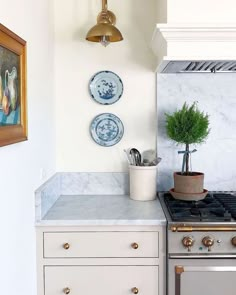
(78, 184)
(103, 210)
(46, 195)
(94, 183)
(216, 95)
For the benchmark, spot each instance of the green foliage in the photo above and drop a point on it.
(188, 125)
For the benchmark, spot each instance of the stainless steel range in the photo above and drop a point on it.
(201, 245)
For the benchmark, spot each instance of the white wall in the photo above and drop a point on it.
(192, 11)
(76, 60)
(20, 163)
(216, 95)
(201, 11)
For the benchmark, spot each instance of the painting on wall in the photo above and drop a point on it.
(13, 118)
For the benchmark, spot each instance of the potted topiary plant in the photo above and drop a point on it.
(188, 126)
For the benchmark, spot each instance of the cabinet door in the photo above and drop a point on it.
(101, 280)
(100, 244)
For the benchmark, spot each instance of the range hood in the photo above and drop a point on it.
(195, 48)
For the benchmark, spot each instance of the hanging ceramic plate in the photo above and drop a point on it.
(106, 87)
(106, 129)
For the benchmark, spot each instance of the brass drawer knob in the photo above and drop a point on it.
(233, 241)
(66, 246)
(135, 290)
(66, 291)
(134, 246)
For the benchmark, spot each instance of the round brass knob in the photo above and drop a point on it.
(134, 246)
(135, 290)
(208, 242)
(66, 246)
(188, 242)
(66, 291)
(233, 241)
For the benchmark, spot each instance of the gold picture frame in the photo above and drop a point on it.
(13, 110)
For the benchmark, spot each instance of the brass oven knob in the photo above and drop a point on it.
(233, 241)
(135, 290)
(188, 242)
(66, 291)
(66, 246)
(134, 246)
(208, 242)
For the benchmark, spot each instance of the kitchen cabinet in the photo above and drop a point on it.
(101, 260)
(104, 280)
(99, 244)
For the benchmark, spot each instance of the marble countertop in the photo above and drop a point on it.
(102, 210)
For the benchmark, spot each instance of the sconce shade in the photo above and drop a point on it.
(104, 31)
(108, 30)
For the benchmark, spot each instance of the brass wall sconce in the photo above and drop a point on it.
(104, 31)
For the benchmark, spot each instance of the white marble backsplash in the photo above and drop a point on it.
(81, 183)
(216, 95)
(46, 195)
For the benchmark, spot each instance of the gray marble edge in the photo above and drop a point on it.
(100, 222)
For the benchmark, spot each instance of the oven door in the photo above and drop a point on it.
(202, 276)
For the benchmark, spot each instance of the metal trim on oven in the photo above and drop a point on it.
(186, 228)
(186, 256)
(179, 269)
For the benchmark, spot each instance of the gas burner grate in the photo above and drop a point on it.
(215, 207)
(228, 201)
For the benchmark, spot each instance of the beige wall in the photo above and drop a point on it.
(161, 7)
(76, 60)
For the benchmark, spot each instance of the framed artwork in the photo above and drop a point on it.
(13, 117)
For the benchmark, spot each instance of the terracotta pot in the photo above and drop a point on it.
(189, 184)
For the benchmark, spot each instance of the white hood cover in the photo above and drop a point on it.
(195, 48)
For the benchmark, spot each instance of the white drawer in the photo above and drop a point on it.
(100, 244)
(101, 280)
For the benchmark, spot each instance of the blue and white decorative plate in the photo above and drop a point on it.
(106, 129)
(106, 87)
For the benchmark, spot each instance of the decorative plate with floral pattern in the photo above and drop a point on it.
(106, 129)
(106, 87)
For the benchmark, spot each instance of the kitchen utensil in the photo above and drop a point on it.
(156, 161)
(149, 158)
(136, 156)
(128, 157)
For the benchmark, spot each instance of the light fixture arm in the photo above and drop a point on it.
(106, 16)
(104, 5)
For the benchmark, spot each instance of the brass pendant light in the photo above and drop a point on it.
(104, 31)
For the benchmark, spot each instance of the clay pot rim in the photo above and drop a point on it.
(188, 196)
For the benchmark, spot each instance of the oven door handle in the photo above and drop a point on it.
(179, 269)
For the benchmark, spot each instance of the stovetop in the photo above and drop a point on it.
(216, 207)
